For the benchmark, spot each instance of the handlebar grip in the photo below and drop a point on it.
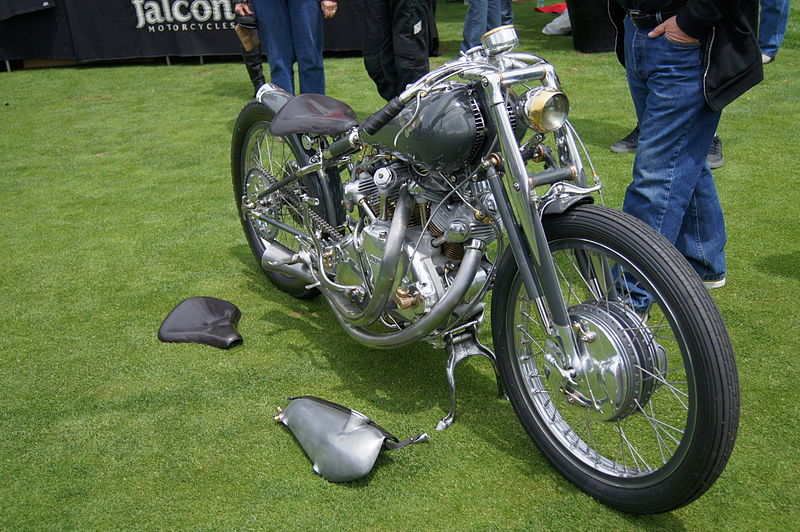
(343, 146)
(374, 122)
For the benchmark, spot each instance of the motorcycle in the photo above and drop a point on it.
(473, 180)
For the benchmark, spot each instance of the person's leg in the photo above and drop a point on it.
(494, 10)
(276, 37)
(772, 23)
(701, 238)
(409, 42)
(672, 188)
(378, 55)
(252, 62)
(506, 13)
(307, 36)
(474, 23)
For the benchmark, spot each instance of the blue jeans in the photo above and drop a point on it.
(482, 16)
(291, 31)
(673, 189)
(506, 13)
(772, 25)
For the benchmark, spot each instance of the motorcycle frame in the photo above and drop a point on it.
(519, 208)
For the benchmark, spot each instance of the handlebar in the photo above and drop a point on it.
(374, 122)
(371, 125)
(466, 68)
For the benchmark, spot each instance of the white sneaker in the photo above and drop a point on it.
(711, 285)
(559, 25)
(766, 59)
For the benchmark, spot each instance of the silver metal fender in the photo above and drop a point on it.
(342, 444)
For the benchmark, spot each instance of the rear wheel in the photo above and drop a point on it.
(260, 159)
(645, 421)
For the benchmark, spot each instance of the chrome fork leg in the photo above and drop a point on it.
(462, 345)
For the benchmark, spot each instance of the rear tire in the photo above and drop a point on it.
(648, 418)
(259, 159)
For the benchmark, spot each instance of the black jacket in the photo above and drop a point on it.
(726, 29)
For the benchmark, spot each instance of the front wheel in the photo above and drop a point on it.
(645, 420)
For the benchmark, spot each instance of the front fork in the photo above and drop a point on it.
(526, 235)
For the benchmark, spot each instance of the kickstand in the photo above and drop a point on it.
(461, 345)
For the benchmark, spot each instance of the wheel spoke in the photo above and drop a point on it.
(663, 447)
(270, 156)
(679, 395)
(634, 453)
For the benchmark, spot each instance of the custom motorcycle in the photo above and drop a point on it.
(605, 341)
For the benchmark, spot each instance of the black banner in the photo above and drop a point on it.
(10, 8)
(91, 30)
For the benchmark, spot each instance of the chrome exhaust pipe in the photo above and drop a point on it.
(439, 313)
(277, 259)
(344, 309)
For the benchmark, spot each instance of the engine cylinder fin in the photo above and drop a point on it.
(480, 128)
(451, 250)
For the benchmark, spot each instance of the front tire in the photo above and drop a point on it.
(647, 420)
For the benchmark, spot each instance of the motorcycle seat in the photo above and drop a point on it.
(315, 114)
(202, 320)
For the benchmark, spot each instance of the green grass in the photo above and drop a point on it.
(116, 205)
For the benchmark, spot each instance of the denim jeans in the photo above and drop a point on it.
(673, 189)
(506, 13)
(482, 16)
(772, 25)
(291, 31)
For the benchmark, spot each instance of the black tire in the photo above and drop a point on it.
(254, 147)
(648, 419)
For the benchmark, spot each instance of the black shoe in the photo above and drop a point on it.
(715, 158)
(627, 144)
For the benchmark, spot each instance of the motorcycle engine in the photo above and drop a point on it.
(433, 244)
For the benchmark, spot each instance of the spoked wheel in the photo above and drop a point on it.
(260, 159)
(645, 421)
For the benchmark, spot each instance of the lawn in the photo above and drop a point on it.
(117, 204)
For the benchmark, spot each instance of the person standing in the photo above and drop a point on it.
(685, 60)
(772, 24)
(291, 31)
(396, 43)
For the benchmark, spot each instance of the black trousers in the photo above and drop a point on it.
(396, 43)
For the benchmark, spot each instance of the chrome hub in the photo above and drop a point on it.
(618, 367)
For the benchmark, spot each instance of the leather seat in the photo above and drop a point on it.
(316, 114)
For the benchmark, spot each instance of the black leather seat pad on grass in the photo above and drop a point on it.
(313, 113)
(202, 320)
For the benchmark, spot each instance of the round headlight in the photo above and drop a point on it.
(544, 109)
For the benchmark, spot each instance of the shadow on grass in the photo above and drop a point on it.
(412, 379)
(784, 265)
(404, 380)
(239, 88)
(599, 135)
